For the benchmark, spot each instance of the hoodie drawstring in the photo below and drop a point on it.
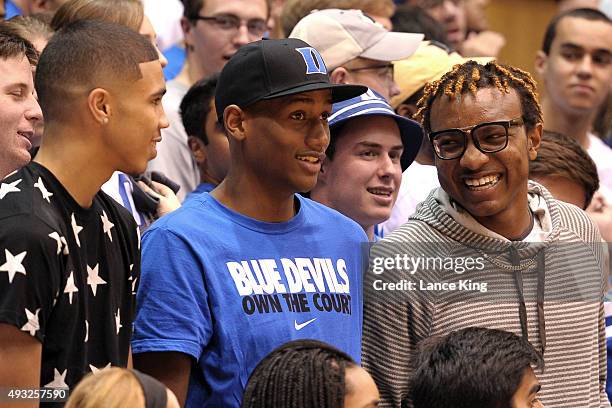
(518, 280)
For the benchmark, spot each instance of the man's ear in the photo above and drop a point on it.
(234, 119)
(187, 26)
(534, 138)
(339, 76)
(198, 149)
(541, 61)
(100, 106)
(406, 110)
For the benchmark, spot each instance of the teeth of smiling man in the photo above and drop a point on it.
(310, 159)
(487, 180)
(379, 191)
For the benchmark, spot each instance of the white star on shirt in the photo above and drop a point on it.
(86, 331)
(62, 245)
(107, 225)
(95, 370)
(118, 320)
(32, 325)
(13, 264)
(6, 188)
(138, 234)
(70, 287)
(76, 228)
(134, 286)
(59, 379)
(43, 190)
(93, 279)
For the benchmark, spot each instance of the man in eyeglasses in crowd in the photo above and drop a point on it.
(356, 49)
(488, 248)
(213, 32)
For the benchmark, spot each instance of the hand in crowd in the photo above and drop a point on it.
(483, 44)
(168, 201)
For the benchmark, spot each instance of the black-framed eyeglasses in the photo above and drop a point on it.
(488, 137)
(229, 22)
(385, 70)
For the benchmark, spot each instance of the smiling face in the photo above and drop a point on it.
(285, 140)
(212, 45)
(362, 179)
(137, 119)
(19, 113)
(578, 69)
(492, 187)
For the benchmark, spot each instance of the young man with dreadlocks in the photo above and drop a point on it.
(488, 248)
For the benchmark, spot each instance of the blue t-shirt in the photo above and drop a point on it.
(176, 57)
(11, 9)
(227, 289)
(201, 188)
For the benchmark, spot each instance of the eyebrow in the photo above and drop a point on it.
(577, 47)
(379, 146)
(305, 99)
(160, 92)
(16, 84)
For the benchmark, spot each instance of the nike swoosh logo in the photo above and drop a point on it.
(302, 325)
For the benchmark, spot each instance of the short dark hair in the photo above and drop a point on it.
(472, 76)
(84, 55)
(195, 107)
(561, 156)
(13, 45)
(413, 19)
(471, 367)
(299, 374)
(585, 13)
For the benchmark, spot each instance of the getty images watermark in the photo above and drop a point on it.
(411, 264)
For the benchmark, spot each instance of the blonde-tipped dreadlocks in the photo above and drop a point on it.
(471, 76)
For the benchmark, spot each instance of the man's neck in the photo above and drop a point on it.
(514, 227)
(252, 198)
(576, 125)
(76, 165)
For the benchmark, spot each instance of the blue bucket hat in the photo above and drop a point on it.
(371, 103)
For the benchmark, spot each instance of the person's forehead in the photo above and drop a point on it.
(15, 70)
(584, 33)
(152, 77)
(241, 8)
(317, 96)
(370, 130)
(489, 104)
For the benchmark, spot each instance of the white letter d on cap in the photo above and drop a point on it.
(314, 61)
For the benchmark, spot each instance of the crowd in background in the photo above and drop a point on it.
(193, 216)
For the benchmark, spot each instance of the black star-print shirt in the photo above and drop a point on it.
(68, 275)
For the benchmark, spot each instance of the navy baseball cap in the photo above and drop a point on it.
(371, 103)
(268, 69)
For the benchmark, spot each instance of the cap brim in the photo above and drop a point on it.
(339, 92)
(394, 46)
(410, 132)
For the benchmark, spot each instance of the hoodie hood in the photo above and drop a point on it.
(448, 217)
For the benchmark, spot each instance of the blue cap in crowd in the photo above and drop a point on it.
(371, 103)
